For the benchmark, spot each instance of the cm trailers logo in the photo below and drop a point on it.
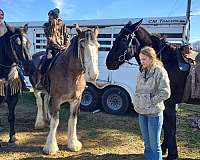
(167, 21)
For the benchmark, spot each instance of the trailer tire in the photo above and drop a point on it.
(89, 99)
(115, 100)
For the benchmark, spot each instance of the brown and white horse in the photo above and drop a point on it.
(67, 82)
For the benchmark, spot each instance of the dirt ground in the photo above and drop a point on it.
(96, 140)
(104, 136)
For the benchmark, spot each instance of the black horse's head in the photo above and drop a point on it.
(124, 47)
(19, 45)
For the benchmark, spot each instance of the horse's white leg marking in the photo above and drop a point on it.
(51, 146)
(40, 122)
(73, 143)
(47, 115)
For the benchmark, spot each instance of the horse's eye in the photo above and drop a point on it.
(18, 41)
(124, 39)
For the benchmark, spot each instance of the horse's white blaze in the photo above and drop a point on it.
(91, 61)
(51, 146)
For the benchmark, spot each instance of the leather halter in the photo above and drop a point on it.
(122, 58)
(80, 54)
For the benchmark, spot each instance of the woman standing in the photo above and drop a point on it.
(151, 90)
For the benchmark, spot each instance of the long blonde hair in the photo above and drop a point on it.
(151, 53)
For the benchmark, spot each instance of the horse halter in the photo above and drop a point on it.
(122, 58)
(80, 55)
(81, 48)
(13, 51)
(18, 62)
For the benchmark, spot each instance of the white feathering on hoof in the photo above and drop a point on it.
(51, 146)
(73, 143)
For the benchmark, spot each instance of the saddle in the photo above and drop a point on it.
(192, 87)
(183, 64)
(196, 84)
(44, 67)
(48, 62)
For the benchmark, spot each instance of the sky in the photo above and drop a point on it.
(36, 10)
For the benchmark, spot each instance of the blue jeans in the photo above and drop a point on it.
(150, 127)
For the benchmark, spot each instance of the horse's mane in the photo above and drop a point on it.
(4, 41)
(73, 48)
(153, 40)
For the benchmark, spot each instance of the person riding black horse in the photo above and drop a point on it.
(57, 41)
(3, 29)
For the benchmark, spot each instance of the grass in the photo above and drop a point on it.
(104, 136)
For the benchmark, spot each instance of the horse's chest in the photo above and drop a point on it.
(70, 88)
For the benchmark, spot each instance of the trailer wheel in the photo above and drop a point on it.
(115, 100)
(89, 99)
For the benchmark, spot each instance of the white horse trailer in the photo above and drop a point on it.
(113, 90)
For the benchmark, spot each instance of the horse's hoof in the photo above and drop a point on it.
(41, 126)
(75, 146)
(50, 151)
(13, 144)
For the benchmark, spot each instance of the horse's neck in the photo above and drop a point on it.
(71, 61)
(143, 37)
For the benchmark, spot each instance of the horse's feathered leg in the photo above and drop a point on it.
(12, 102)
(41, 118)
(73, 143)
(51, 146)
(47, 115)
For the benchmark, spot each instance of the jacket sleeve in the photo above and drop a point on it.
(46, 31)
(163, 91)
(47, 34)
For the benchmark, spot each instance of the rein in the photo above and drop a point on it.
(14, 53)
(5, 66)
(160, 52)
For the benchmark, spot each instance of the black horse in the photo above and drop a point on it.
(14, 58)
(128, 44)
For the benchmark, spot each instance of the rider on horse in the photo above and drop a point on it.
(57, 41)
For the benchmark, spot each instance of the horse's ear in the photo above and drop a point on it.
(25, 28)
(78, 29)
(128, 24)
(96, 31)
(135, 26)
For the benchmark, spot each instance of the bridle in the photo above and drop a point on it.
(122, 58)
(14, 53)
(81, 52)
